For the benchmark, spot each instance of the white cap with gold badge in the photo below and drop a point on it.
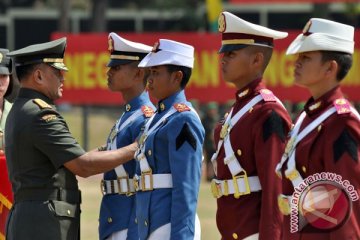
(238, 33)
(323, 35)
(124, 51)
(169, 52)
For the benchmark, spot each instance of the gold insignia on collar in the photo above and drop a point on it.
(243, 93)
(1, 57)
(127, 107)
(222, 23)
(162, 107)
(111, 44)
(315, 106)
(41, 103)
(49, 117)
(307, 27)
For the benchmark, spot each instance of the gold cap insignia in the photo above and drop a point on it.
(111, 44)
(307, 27)
(222, 23)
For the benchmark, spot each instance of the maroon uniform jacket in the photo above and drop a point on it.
(258, 140)
(332, 147)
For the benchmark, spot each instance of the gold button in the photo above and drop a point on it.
(146, 223)
(303, 169)
(68, 212)
(136, 220)
(128, 107)
(235, 236)
(109, 220)
(319, 128)
(238, 152)
(149, 152)
(162, 106)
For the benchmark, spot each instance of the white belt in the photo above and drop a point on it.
(238, 185)
(148, 181)
(121, 185)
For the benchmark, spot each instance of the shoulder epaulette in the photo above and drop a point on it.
(147, 111)
(41, 103)
(267, 95)
(181, 107)
(342, 106)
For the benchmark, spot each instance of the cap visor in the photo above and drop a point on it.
(231, 47)
(60, 66)
(5, 71)
(115, 62)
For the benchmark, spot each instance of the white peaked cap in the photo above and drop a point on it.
(124, 51)
(169, 52)
(238, 33)
(323, 35)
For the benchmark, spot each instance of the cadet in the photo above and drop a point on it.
(251, 138)
(117, 212)
(326, 135)
(42, 156)
(169, 169)
(6, 89)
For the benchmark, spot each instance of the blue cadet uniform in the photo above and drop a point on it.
(117, 211)
(168, 189)
(168, 170)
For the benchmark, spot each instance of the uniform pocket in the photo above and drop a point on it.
(64, 209)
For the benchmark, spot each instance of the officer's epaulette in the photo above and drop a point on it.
(147, 111)
(342, 106)
(181, 107)
(41, 103)
(267, 95)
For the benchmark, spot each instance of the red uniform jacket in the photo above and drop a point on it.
(332, 147)
(260, 136)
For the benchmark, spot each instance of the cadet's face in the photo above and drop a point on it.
(122, 77)
(161, 83)
(4, 84)
(54, 82)
(235, 66)
(309, 69)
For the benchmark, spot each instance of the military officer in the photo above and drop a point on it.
(326, 135)
(251, 137)
(117, 212)
(169, 159)
(6, 88)
(42, 156)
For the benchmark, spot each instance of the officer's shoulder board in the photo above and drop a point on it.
(267, 95)
(42, 104)
(147, 111)
(181, 107)
(342, 106)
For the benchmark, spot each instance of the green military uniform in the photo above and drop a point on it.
(38, 144)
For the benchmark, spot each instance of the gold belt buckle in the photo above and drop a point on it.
(215, 189)
(237, 193)
(136, 183)
(284, 204)
(102, 187)
(143, 183)
(126, 178)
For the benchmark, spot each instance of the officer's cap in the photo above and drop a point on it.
(170, 52)
(51, 53)
(323, 35)
(238, 33)
(124, 51)
(5, 62)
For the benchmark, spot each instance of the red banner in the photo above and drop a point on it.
(6, 196)
(87, 56)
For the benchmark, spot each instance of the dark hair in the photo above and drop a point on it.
(266, 51)
(344, 61)
(24, 71)
(186, 71)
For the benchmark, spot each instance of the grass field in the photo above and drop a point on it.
(100, 123)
